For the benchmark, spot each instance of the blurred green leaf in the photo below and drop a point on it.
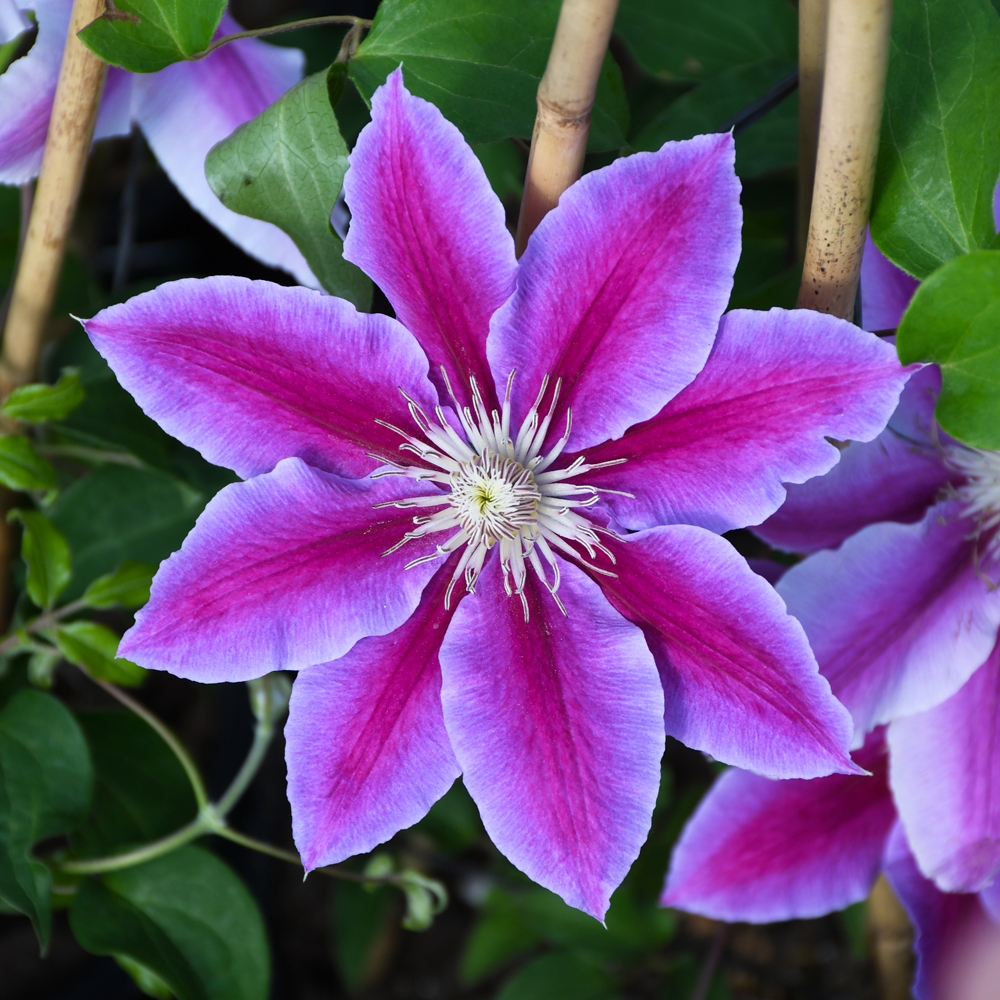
(561, 976)
(141, 792)
(187, 918)
(21, 467)
(42, 667)
(144, 36)
(40, 401)
(46, 552)
(363, 924)
(45, 788)
(954, 319)
(147, 980)
(287, 166)
(453, 821)
(939, 154)
(499, 936)
(480, 62)
(94, 646)
(505, 165)
(128, 586)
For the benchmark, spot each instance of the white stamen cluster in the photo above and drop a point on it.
(980, 494)
(498, 490)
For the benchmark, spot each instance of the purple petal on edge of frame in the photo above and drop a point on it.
(428, 229)
(249, 372)
(957, 944)
(185, 109)
(896, 477)
(776, 385)
(27, 89)
(886, 290)
(621, 288)
(365, 741)
(558, 726)
(739, 679)
(281, 572)
(945, 777)
(763, 850)
(897, 616)
(13, 21)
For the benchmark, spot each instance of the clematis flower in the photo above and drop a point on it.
(761, 851)
(183, 111)
(486, 533)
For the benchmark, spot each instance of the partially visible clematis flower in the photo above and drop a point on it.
(759, 850)
(487, 534)
(183, 111)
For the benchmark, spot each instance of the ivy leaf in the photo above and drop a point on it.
(186, 918)
(480, 62)
(94, 647)
(939, 154)
(45, 788)
(954, 319)
(128, 586)
(560, 976)
(40, 401)
(287, 166)
(144, 36)
(46, 552)
(21, 467)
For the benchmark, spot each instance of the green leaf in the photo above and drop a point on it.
(499, 936)
(480, 62)
(939, 154)
(187, 918)
(118, 513)
(141, 792)
(696, 40)
(21, 467)
(147, 980)
(954, 319)
(362, 924)
(46, 552)
(128, 586)
(45, 787)
(145, 35)
(94, 647)
(287, 166)
(40, 401)
(560, 976)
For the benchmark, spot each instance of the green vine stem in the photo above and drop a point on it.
(309, 22)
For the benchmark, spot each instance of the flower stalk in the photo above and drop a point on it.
(853, 85)
(812, 53)
(565, 100)
(71, 129)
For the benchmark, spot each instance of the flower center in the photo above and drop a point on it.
(498, 489)
(980, 494)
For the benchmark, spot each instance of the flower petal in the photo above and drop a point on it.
(557, 724)
(776, 385)
(279, 573)
(898, 616)
(185, 109)
(763, 850)
(739, 679)
(946, 780)
(13, 22)
(621, 287)
(956, 943)
(896, 477)
(886, 290)
(249, 372)
(365, 742)
(427, 227)
(27, 89)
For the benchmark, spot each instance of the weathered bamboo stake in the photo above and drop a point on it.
(857, 53)
(891, 937)
(565, 100)
(71, 129)
(812, 52)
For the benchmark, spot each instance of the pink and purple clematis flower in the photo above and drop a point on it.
(183, 111)
(487, 534)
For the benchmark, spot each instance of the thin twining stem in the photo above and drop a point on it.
(45, 620)
(309, 22)
(262, 736)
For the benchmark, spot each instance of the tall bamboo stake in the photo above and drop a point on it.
(891, 942)
(565, 99)
(71, 129)
(812, 53)
(857, 53)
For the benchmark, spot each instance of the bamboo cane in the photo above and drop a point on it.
(857, 53)
(565, 100)
(891, 938)
(812, 52)
(71, 129)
